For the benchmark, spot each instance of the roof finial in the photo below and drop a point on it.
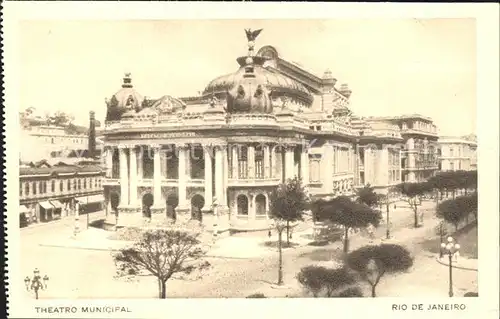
(127, 80)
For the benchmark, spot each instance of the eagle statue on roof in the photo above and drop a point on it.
(251, 36)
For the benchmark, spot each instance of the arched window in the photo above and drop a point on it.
(79, 184)
(26, 189)
(84, 183)
(34, 188)
(61, 186)
(53, 186)
(314, 168)
(68, 185)
(41, 187)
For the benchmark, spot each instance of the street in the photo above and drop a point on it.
(81, 273)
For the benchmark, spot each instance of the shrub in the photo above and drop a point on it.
(257, 295)
(325, 282)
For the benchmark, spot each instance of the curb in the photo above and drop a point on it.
(455, 266)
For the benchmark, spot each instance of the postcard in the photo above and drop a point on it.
(186, 158)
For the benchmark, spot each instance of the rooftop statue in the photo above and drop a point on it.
(251, 36)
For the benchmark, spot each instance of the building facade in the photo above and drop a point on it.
(249, 131)
(49, 192)
(458, 153)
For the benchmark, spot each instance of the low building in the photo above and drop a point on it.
(458, 153)
(48, 192)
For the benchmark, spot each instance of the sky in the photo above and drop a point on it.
(393, 67)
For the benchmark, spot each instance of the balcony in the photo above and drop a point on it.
(253, 182)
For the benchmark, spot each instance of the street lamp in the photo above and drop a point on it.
(450, 249)
(36, 283)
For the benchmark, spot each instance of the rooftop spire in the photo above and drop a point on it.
(127, 81)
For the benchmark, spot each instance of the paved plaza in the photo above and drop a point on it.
(241, 265)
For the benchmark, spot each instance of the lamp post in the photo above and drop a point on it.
(450, 248)
(36, 283)
(388, 231)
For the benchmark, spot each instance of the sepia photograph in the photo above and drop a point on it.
(244, 158)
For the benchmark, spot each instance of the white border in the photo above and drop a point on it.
(485, 306)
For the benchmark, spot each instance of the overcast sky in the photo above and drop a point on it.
(393, 67)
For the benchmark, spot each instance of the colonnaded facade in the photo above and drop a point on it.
(246, 133)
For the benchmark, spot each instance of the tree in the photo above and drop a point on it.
(452, 211)
(287, 204)
(343, 211)
(328, 282)
(162, 253)
(413, 193)
(60, 118)
(374, 261)
(456, 210)
(367, 196)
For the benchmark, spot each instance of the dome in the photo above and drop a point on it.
(249, 95)
(275, 83)
(127, 98)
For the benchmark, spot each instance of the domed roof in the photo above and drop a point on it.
(276, 83)
(127, 98)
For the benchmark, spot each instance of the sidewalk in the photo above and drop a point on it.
(66, 220)
(462, 263)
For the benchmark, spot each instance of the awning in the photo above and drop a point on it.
(23, 209)
(90, 199)
(56, 204)
(46, 205)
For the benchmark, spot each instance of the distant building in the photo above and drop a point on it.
(458, 153)
(50, 191)
(41, 140)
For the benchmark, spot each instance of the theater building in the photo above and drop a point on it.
(250, 130)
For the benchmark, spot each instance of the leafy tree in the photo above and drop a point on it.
(343, 211)
(286, 204)
(60, 118)
(413, 193)
(163, 253)
(352, 292)
(452, 211)
(367, 196)
(374, 261)
(327, 282)
(456, 210)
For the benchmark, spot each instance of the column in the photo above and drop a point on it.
(133, 176)
(267, 162)
(234, 161)
(274, 163)
(383, 167)
(327, 165)
(304, 166)
(182, 184)
(163, 161)
(157, 200)
(226, 173)
(289, 163)
(123, 176)
(140, 162)
(219, 176)
(222, 209)
(208, 179)
(109, 161)
(251, 162)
